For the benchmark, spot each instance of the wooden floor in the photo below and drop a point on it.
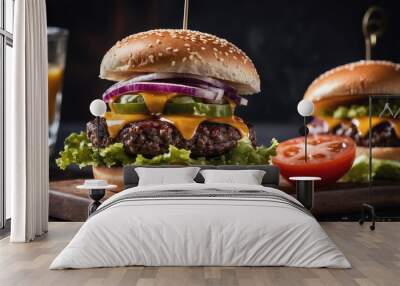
(375, 257)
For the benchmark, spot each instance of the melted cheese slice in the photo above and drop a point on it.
(233, 121)
(363, 123)
(155, 102)
(115, 121)
(187, 125)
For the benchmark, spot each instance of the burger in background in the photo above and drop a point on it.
(341, 100)
(174, 104)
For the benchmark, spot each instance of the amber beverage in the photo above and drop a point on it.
(55, 77)
(57, 47)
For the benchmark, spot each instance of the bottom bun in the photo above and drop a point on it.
(113, 176)
(385, 153)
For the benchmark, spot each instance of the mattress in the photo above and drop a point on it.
(201, 225)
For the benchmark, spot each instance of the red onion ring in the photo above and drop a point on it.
(196, 81)
(120, 89)
(165, 75)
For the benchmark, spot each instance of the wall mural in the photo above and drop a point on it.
(164, 107)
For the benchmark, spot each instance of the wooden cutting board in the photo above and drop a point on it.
(70, 204)
(347, 198)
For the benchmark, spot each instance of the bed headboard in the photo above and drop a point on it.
(271, 177)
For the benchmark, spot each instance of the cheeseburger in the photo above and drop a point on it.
(174, 101)
(177, 87)
(341, 100)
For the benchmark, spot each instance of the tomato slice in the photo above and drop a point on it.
(328, 157)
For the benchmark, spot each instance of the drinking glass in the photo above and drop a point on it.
(57, 48)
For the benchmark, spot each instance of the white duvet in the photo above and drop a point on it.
(190, 231)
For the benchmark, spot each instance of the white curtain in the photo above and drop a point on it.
(27, 124)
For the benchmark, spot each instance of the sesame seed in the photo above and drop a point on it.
(173, 63)
(151, 58)
(221, 48)
(184, 59)
(196, 54)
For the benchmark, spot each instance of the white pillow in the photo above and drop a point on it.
(248, 177)
(166, 176)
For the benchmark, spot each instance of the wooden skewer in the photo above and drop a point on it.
(373, 26)
(186, 15)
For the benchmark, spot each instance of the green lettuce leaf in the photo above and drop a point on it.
(78, 150)
(382, 170)
(175, 156)
(114, 154)
(245, 154)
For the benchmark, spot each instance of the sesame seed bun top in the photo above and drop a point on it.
(355, 81)
(181, 51)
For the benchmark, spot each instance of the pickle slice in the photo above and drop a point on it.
(195, 108)
(199, 109)
(128, 108)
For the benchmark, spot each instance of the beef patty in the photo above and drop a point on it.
(383, 135)
(153, 137)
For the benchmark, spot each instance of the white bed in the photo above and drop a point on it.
(224, 225)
